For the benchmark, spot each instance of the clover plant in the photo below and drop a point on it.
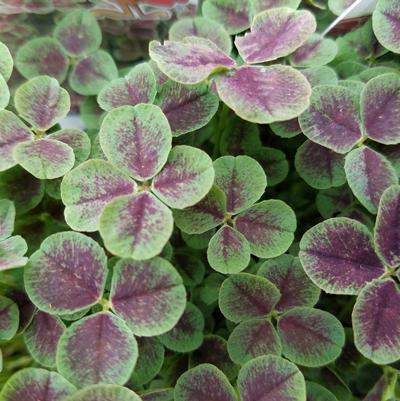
(199, 208)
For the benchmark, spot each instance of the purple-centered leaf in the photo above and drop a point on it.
(204, 382)
(231, 14)
(136, 139)
(187, 108)
(265, 94)
(214, 351)
(228, 251)
(275, 33)
(76, 139)
(90, 74)
(320, 167)
(187, 335)
(45, 158)
(12, 132)
(332, 118)
(289, 277)
(242, 179)
(338, 255)
(88, 188)
(387, 227)
(32, 384)
(186, 178)
(386, 24)
(148, 295)
(253, 338)
(316, 51)
(7, 218)
(243, 296)
(271, 378)
(97, 349)
(42, 336)
(368, 174)
(310, 337)
(150, 361)
(42, 102)
(136, 226)
(138, 86)
(104, 392)
(376, 322)
(380, 105)
(204, 215)
(79, 33)
(269, 227)
(189, 61)
(9, 318)
(67, 274)
(203, 28)
(42, 56)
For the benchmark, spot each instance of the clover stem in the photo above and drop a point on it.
(361, 141)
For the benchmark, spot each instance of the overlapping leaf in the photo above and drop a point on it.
(386, 228)
(148, 295)
(32, 384)
(42, 336)
(97, 349)
(338, 255)
(187, 108)
(90, 74)
(368, 174)
(310, 337)
(289, 277)
(79, 33)
(243, 296)
(87, 189)
(273, 377)
(253, 338)
(104, 392)
(202, 27)
(376, 322)
(136, 139)
(136, 226)
(204, 382)
(70, 264)
(332, 118)
(138, 86)
(380, 103)
(386, 24)
(189, 61)
(275, 33)
(42, 56)
(265, 94)
(320, 167)
(269, 227)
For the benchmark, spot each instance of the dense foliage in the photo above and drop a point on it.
(226, 227)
